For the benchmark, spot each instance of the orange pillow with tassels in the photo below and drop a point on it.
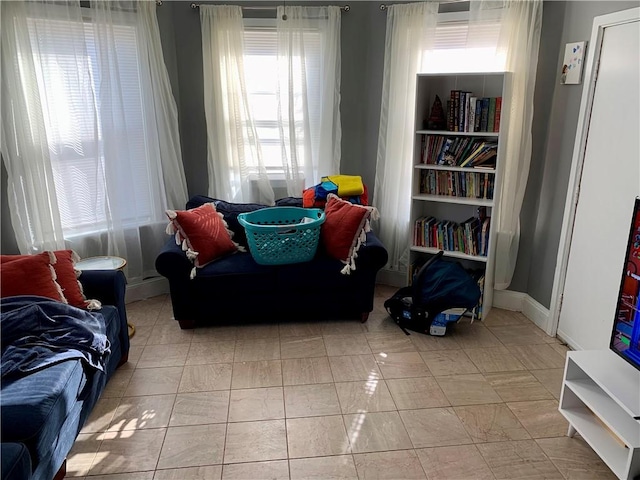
(30, 275)
(66, 278)
(203, 234)
(345, 229)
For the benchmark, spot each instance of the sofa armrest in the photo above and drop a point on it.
(172, 261)
(372, 253)
(16, 462)
(109, 286)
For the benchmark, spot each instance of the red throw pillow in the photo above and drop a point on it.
(344, 229)
(68, 280)
(203, 234)
(30, 275)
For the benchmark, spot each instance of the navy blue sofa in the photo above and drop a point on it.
(43, 412)
(236, 288)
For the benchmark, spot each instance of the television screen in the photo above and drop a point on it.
(625, 339)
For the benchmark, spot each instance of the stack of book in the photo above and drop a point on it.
(457, 184)
(469, 113)
(459, 151)
(470, 237)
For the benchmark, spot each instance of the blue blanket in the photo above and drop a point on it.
(38, 332)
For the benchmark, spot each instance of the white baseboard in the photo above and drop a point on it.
(151, 287)
(508, 300)
(568, 340)
(522, 302)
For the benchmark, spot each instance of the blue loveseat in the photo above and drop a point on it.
(43, 411)
(236, 288)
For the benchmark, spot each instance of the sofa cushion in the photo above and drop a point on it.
(35, 406)
(202, 232)
(30, 275)
(230, 211)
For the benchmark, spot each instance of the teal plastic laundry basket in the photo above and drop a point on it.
(281, 235)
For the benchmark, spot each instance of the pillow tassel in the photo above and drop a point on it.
(52, 258)
(94, 305)
(171, 229)
(346, 270)
(192, 275)
(54, 276)
(178, 240)
(171, 214)
(185, 247)
(191, 255)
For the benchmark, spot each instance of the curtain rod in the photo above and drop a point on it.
(344, 8)
(384, 6)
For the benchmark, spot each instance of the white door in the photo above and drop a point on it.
(609, 184)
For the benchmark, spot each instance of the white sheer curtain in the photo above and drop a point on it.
(234, 156)
(410, 32)
(520, 27)
(500, 35)
(309, 93)
(90, 137)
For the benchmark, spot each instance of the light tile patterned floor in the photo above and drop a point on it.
(333, 399)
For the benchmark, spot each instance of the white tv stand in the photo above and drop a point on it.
(601, 400)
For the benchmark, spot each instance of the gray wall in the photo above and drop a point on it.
(539, 246)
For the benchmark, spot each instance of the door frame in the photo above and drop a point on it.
(577, 162)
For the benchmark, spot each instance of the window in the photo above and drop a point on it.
(262, 82)
(77, 116)
(453, 53)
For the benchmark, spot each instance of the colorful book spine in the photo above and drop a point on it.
(461, 111)
(496, 122)
(484, 115)
(492, 114)
(456, 110)
(476, 127)
(472, 114)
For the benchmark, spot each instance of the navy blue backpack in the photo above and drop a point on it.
(436, 287)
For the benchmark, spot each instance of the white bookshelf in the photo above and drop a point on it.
(601, 401)
(449, 207)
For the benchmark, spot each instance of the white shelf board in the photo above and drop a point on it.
(448, 253)
(423, 197)
(612, 374)
(425, 166)
(614, 454)
(457, 134)
(616, 418)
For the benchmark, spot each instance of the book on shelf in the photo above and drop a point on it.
(445, 157)
(496, 122)
(478, 116)
(492, 114)
(484, 115)
(471, 109)
(467, 112)
(476, 185)
(470, 236)
(456, 109)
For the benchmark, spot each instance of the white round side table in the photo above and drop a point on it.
(101, 263)
(108, 262)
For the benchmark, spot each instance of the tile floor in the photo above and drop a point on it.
(333, 399)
